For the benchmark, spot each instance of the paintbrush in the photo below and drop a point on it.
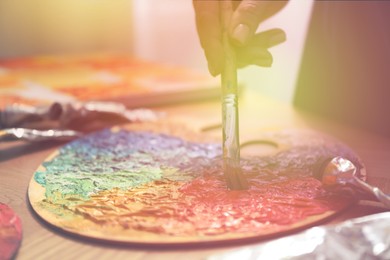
(230, 123)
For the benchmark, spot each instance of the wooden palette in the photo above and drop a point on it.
(161, 184)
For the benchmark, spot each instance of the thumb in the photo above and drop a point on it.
(247, 17)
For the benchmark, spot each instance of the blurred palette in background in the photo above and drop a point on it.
(134, 82)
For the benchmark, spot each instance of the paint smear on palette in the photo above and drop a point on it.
(10, 232)
(123, 183)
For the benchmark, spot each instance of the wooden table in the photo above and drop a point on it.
(18, 162)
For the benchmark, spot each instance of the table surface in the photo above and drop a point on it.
(19, 160)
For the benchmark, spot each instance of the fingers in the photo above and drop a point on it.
(251, 48)
(255, 52)
(209, 31)
(247, 17)
(267, 39)
(254, 56)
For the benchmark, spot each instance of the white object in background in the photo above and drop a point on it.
(279, 81)
(165, 31)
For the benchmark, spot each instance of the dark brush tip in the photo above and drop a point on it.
(235, 179)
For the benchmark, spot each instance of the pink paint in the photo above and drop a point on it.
(10, 232)
(263, 206)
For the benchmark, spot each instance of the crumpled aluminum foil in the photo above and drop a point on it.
(361, 238)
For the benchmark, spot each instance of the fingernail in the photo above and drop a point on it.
(241, 33)
(212, 70)
(277, 38)
(215, 63)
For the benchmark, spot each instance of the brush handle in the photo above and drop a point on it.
(230, 120)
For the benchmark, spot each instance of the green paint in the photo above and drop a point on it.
(107, 160)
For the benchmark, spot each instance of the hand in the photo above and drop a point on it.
(251, 48)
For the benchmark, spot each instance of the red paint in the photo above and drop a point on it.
(262, 206)
(204, 206)
(10, 232)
